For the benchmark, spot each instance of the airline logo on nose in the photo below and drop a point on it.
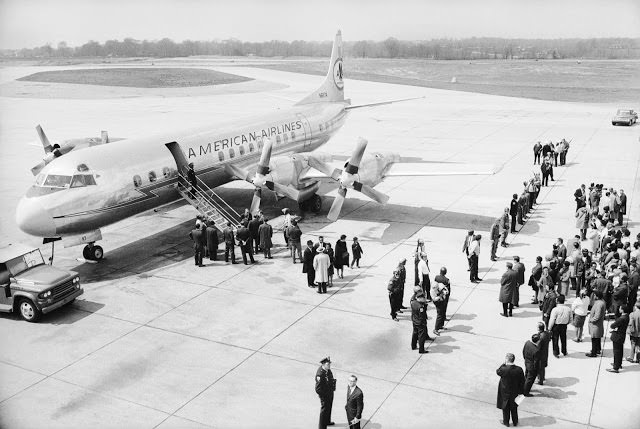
(337, 74)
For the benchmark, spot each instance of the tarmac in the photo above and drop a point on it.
(155, 342)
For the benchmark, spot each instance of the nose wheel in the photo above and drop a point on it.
(313, 204)
(92, 252)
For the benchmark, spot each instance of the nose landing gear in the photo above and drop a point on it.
(92, 252)
(313, 204)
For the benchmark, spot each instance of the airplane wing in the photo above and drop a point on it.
(411, 169)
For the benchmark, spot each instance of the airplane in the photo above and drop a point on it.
(80, 191)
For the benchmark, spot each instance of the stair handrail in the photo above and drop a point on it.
(223, 212)
(238, 216)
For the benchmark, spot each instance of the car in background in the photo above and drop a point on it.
(31, 287)
(624, 117)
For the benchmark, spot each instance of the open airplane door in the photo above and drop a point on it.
(178, 155)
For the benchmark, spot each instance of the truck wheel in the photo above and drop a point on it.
(28, 311)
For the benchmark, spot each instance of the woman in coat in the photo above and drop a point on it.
(341, 255)
(564, 278)
(321, 267)
(596, 324)
(544, 284)
(582, 221)
(332, 261)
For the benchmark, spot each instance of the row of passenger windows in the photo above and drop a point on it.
(167, 173)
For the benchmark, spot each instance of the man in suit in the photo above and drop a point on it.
(561, 248)
(513, 211)
(244, 240)
(254, 226)
(419, 320)
(545, 338)
(623, 206)
(511, 385)
(618, 334)
(474, 255)
(325, 386)
(531, 355)
(508, 284)
(495, 238)
(519, 268)
(265, 232)
(355, 403)
(504, 227)
(580, 196)
(229, 243)
(199, 242)
(212, 241)
(596, 324)
(465, 246)
(307, 264)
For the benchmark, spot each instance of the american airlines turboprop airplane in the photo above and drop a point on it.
(88, 187)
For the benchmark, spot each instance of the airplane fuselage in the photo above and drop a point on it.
(124, 178)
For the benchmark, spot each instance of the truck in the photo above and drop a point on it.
(32, 288)
(624, 117)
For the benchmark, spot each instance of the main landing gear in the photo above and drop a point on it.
(313, 204)
(92, 252)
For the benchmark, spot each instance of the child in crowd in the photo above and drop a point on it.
(357, 252)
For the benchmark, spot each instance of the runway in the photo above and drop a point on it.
(157, 342)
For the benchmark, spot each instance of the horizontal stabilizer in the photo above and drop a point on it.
(381, 103)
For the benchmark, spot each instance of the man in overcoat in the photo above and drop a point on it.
(307, 263)
(508, 284)
(531, 355)
(511, 385)
(265, 232)
(596, 324)
(212, 241)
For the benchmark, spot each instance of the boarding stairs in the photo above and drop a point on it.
(209, 204)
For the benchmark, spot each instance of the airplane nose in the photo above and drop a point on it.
(33, 219)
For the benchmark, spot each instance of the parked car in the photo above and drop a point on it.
(624, 117)
(31, 287)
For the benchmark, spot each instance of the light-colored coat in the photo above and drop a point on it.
(634, 323)
(321, 265)
(596, 319)
(582, 218)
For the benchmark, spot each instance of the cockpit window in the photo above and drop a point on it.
(80, 180)
(40, 179)
(57, 181)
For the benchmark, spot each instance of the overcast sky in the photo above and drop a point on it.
(30, 23)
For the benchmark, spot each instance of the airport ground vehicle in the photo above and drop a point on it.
(31, 287)
(624, 117)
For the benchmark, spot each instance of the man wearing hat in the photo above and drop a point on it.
(419, 319)
(325, 386)
(394, 291)
(191, 177)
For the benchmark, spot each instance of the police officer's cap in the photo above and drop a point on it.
(326, 360)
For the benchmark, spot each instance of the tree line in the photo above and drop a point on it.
(437, 49)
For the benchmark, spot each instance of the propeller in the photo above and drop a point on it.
(50, 152)
(348, 179)
(261, 180)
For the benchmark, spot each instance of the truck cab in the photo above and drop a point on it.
(31, 287)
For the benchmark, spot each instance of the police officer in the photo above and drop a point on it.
(325, 386)
(419, 319)
(513, 211)
(394, 293)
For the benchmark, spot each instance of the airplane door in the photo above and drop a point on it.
(307, 130)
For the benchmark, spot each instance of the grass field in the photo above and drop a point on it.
(138, 77)
(592, 81)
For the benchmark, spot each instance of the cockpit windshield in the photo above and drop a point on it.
(63, 182)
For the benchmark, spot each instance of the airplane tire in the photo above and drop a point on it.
(86, 252)
(303, 206)
(315, 204)
(97, 253)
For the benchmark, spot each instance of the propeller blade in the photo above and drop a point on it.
(255, 202)
(287, 191)
(325, 168)
(336, 207)
(238, 172)
(367, 190)
(265, 158)
(356, 157)
(35, 170)
(43, 139)
(104, 136)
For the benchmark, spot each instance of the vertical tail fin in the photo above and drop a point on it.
(332, 89)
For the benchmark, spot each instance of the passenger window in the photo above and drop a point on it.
(293, 135)
(221, 156)
(137, 181)
(77, 181)
(278, 139)
(260, 144)
(89, 180)
(241, 149)
(286, 137)
(232, 153)
(152, 176)
(250, 147)
(40, 179)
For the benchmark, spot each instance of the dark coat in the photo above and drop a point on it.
(620, 326)
(307, 260)
(545, 338)
(228, 237)
(531, 355)
(623, 203)
(418, 313)
(325, 383)
(620, 294)
(212, 237)
(495, 231)
(243, 235)
(294, 233)
(508, 285)
(254, 225)
(549, 302)
(519, 268)
(341, 254)
(265, 232)
(198, 237)
(355, 404)
(511, 384)
(356, 250)
(513, 210)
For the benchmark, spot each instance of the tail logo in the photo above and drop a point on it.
(337, 74)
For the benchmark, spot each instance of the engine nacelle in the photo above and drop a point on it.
(287, 170)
